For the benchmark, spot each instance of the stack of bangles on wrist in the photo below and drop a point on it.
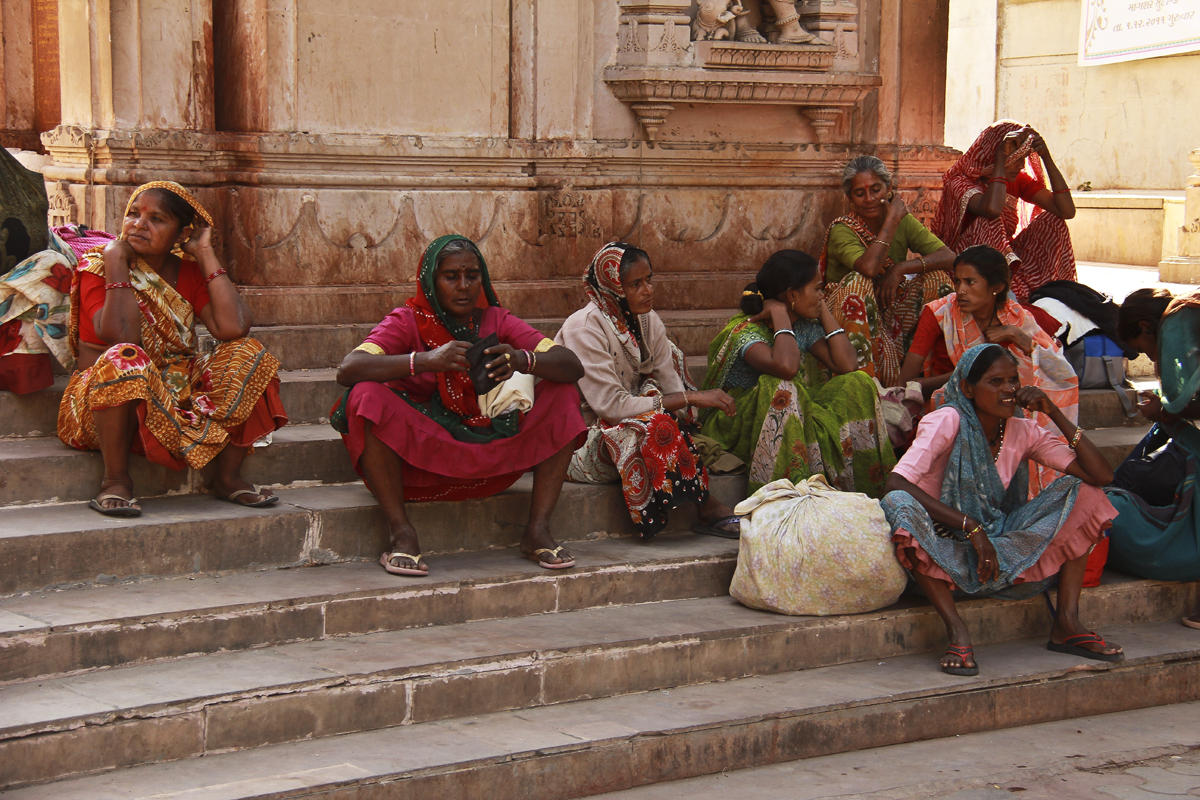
(412, 363)
(924, 266)
(834, 333)
(686, 403)
(215, 275)
(530, 361)
(118, 285)
(1075, 439)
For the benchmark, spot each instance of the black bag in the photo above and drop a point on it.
(477, 361)
(23, 207)
(1154, 470)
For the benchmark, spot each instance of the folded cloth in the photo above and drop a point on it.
(514, 394)
(1077, 324)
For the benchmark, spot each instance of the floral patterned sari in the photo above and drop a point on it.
(799, 427)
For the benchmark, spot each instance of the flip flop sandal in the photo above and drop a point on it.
(1073, 645)
(130, 509)
(262, 502)
(417, 570)
(1192, 621)
(720, 527)
(542, 555)
(964, 653)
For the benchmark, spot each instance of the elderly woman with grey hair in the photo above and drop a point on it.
(876, 291)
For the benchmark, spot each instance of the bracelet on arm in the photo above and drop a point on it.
(998, 179)
(782, 331)
(412, 363)
(220, 271)
(977, 529)
(964, 522)
(118, 285)
(883, 242)
(686, 402)
(834, 333)
(1075, 439)
(1064, 190)
(924, 265)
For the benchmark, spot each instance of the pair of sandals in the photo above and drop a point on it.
(1072, 645)
(127, 507)
(413, 565)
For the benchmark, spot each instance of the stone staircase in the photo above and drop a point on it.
(270, 643)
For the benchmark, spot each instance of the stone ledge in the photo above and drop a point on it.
(618, 742)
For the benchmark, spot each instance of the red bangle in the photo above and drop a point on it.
(995, 179)
(215, 275)
(118, 285)
(1061, 191)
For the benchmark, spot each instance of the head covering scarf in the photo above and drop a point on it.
(1179, 352)
(1019, 531)
(971, 481)
(603, 280)
(169, 337)
(180, 192)
(962, 182)
(437, 328)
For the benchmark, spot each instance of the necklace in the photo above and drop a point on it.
(997, 443)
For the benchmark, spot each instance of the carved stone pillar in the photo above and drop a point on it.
(836, 22)
(1185, 266)
(130, 69)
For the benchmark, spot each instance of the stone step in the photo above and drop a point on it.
(297, 305)
(307, 395)
(47, 633)
(324, 346)
(564, 749)
(69, 544)
(44, 470)
(1149, 754)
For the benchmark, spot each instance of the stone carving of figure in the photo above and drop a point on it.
(715, 19)
(787, 28)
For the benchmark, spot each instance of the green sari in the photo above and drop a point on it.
(809, 425)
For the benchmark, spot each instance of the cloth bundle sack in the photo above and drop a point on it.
(514, 394)
(807, 548)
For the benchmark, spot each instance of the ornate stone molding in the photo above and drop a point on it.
(658, 67)
(825, 99)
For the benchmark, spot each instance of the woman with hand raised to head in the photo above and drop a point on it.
(141, 383)
(792, 419)
(960, 510)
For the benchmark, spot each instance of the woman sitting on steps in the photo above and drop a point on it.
(140, 382)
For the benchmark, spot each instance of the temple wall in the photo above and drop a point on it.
(1111, 125)
(333, 142)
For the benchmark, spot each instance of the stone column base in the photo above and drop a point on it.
(1179, 269)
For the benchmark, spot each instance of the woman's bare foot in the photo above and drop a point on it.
(1069, 636)
(115, 498)
(240, 491)
(404, 554)
(539, 547)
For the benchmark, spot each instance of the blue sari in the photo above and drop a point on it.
(1019, 530)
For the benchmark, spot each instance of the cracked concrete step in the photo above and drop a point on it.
(101, 626)
(44, 470)
(47, 546)
(324, 346)
(1039, 762)
(307, 395)
(606, 744)
(296, 305)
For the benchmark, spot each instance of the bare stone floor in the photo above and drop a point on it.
(1148, 754)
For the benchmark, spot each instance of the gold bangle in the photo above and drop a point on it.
(924, 266)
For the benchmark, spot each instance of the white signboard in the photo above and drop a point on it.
(1125, 30)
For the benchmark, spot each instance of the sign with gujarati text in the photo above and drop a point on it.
(1126, 30)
